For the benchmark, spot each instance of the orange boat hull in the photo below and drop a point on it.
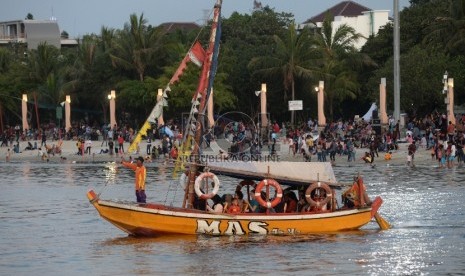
(153, 220)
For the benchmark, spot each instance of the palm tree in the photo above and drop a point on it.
(450, 31)
(293, 58)
(338, 58)
(136, 45)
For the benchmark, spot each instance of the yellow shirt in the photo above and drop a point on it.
(141, 174)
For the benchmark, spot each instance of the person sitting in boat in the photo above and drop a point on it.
(254, 206)
(290, 202)
(318, 195)
(235, 208)
(302, 204)
(217, 206)
(243, 203)
(227, 199)
(356, 196)
(199, 204)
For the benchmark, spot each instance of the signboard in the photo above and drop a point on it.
(59, 112)
(295, 105)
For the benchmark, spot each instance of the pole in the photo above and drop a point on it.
(321, 99)
(24, 112)
(396, 62)
(67, 113)
(37, 110)
(450, 101)
(112, 97)
(382, 102)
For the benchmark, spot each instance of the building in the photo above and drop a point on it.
(364, 20)
(32, 33)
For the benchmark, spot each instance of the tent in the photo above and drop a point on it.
(369, 114)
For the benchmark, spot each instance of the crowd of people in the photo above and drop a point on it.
(432, 132)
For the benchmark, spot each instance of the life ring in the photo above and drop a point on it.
(244, 183)
(318, 185)
(274, 184)
(200, 178)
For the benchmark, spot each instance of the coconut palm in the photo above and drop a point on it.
(450, 31)
(293, 58)
(136, 45)
(338, 58)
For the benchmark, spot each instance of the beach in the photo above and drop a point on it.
(69, 154)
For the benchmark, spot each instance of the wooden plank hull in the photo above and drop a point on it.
(153, 220)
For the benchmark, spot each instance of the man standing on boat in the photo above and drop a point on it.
(141, 173)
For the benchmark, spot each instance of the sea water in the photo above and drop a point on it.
(48, 227)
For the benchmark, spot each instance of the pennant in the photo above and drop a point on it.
(196, 54)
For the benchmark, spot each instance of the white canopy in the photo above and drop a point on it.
(368, 115)
(283, 172)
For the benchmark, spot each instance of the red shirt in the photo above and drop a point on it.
(234, 209)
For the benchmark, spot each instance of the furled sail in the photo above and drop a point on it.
(196, 54)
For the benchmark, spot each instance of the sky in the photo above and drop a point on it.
(80, 17)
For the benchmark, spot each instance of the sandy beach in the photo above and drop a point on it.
(69, 154)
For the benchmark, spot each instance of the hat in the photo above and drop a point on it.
(140, 158)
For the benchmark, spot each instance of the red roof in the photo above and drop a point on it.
(345, 8)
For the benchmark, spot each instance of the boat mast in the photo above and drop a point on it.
(202, 94)
(396, 62)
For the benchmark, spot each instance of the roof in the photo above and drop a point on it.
(182, 26)
(288, 173)
(345, 8)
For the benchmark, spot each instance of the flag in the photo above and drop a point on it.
(196, 54)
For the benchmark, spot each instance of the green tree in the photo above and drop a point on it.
(137, 45)
(449, 30)
(243, 38)
(293, 58)
(338, 58)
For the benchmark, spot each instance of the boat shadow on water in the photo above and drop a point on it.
(204, 242)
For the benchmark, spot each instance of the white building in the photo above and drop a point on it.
(364, 20)
(33, 32)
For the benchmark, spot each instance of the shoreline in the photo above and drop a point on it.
(69, 155)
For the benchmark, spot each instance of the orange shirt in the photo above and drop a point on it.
(234, 209)
(140, 175)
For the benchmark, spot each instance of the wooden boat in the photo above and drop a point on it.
(322, 214)
(156, 219)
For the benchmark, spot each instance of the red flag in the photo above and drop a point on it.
(196, 54)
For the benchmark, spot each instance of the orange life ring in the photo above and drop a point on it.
(200, 178)
(314, 186)
(274, 184)
(244, 183)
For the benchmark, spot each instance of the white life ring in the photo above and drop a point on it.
(198, 181)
